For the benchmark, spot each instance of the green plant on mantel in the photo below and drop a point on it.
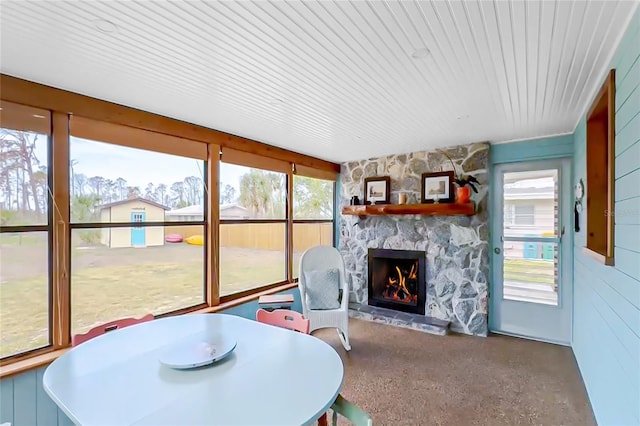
(460, 179)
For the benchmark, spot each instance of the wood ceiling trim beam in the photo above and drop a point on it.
(37, 95)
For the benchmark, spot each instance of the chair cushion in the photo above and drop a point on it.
(322, 288)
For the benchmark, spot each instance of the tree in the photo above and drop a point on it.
(178, 195)
(227, 194)
(161, 194)
(150, 192)
(121, 185)
(193, 190)
(79, 182)
(312, 198)
(96, 183)
(133, 192)
(19, 163)
(41, 179)
(83, 208)
(262, 193)
(109, 191)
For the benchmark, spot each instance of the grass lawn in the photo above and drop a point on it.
(115, 283)
(530, 271)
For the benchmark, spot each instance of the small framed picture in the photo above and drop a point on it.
(437, 187)
(377, 190)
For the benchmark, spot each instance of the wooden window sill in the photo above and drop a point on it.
(40, 359)
(245, 299)
(31, 362)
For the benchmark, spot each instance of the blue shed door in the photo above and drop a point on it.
(138, 238)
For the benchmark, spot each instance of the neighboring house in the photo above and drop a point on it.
(195, 212)
(529, 211)
(233, 211)
(132, 210)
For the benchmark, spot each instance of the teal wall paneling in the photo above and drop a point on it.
(24, 402)
(6, 400)
(627, 162)
(606, 332)
(533, 149)
(628, 135)
(46, 409)
(24, 394)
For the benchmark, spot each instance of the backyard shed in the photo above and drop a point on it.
(132, 210)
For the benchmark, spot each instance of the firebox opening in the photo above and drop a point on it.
(397, 279)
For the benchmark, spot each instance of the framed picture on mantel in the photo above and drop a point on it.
(437, 187)
(377, 190)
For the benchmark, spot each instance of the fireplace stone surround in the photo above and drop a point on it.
(455, 247)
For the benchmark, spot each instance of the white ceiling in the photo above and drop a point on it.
(333, 79)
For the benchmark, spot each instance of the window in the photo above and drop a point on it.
(253, 228)
(105, 214)
(530, 248)
(313, 201)
(25, 229)
(129, 254)
(524, 214)
(600, 173)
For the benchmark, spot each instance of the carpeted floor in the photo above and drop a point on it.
(405, 377)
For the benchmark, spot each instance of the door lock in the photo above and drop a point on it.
(497, 250)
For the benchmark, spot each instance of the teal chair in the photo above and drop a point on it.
(351, 412)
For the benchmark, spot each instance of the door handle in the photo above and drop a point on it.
(497, 250)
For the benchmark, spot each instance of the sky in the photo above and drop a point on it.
(138, 167)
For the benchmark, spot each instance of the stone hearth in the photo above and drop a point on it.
(456, 247)
(399, 319)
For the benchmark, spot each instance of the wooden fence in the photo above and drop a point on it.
(266, 236)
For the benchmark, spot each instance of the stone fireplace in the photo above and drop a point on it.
(397, 280)
(455, 248)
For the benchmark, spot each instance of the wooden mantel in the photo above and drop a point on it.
(440, 209)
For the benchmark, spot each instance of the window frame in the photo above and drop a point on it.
(238, 158)
(138, 139)
(63, 106)
(314, 174)
(600, 174)
(26, 126)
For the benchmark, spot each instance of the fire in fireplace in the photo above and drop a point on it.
(397, 280)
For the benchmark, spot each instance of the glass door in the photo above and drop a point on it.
(531, 263)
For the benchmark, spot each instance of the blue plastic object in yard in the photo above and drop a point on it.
(530, 250)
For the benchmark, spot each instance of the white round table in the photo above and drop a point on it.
(273, 377)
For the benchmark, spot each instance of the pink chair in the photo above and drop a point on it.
(110, 326)
(284, 318)
(291, 320)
